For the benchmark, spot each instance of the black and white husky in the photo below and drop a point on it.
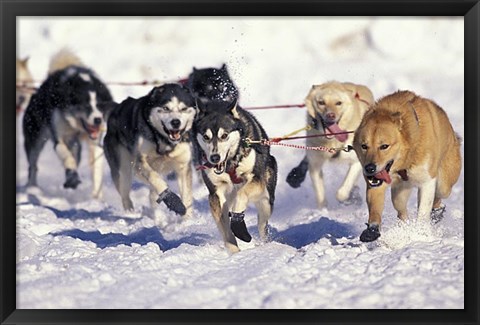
(235, 173)
(71, 105)
(148, 137)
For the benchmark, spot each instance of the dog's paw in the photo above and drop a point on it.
(238, 226)
(297, 175)
(350, 198)
(172, 201)
(437, 215)
(370, 234)
(72, 179)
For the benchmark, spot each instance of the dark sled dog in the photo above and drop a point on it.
(234, 172)
(71, 105)
(209, 84)
(148, 137)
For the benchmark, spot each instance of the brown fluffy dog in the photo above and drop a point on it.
(407, 141)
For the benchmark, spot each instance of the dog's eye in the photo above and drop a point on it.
(364, 147)
(384, 146)
(205, 137)
(338, 103)
(321, 102)
(165, 109)
(224, 136)
(185, 109)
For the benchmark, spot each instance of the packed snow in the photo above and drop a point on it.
(77, 252)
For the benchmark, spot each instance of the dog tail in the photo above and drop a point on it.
(63, 59)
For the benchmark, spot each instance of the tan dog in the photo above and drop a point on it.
(332, 107)
(407, 141)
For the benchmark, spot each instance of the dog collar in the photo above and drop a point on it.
(232, 171)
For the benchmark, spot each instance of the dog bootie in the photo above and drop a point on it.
(72, 179)
(370, 234)
(172, 201)
(437, 214)
(238, 226)
(297, 175)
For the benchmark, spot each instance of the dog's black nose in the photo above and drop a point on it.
(215, 158)
(175, 123)
(370, 169)
(97, 121)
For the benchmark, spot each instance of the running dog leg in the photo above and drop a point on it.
(184, 176)
(237, 215)
(400, 195)
(264, 209)
(70, 164)
(426, 195)
(220, 215)
(375, 201)
(316, 174)
(151, 177)
(344, 191)
(33, 147)
(96, 167)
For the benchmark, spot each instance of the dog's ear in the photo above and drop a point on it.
(397, 118)
(232, 108)
(224, 67)
(157, 91)
(106, 108)
(24, 62)
(309, 106)
(195, 69)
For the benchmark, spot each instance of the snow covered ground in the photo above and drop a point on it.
(75, 252)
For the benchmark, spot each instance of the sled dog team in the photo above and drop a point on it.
(402, 140)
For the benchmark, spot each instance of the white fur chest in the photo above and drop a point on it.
(180, 153)
(417, 175)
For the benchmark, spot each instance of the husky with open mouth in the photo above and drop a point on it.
(70, 106)
(234, 172)
(407, 141)
(148, 137)
(332, 109)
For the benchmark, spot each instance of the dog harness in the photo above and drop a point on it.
(232, 171)
(403, 174)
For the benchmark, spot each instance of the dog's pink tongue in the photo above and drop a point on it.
(334, 128)
(383, 175)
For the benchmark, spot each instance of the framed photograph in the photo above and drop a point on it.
(195, 162)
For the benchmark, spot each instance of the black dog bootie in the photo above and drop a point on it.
(436, 215)
(72, 179)
(297, 175)
(370, 234)
(238, 226)
(172, 201)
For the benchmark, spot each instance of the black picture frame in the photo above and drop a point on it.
(11, 9)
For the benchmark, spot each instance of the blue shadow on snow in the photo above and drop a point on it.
(141, 237)
(305, 234)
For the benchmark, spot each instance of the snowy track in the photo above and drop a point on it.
(75, 252)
